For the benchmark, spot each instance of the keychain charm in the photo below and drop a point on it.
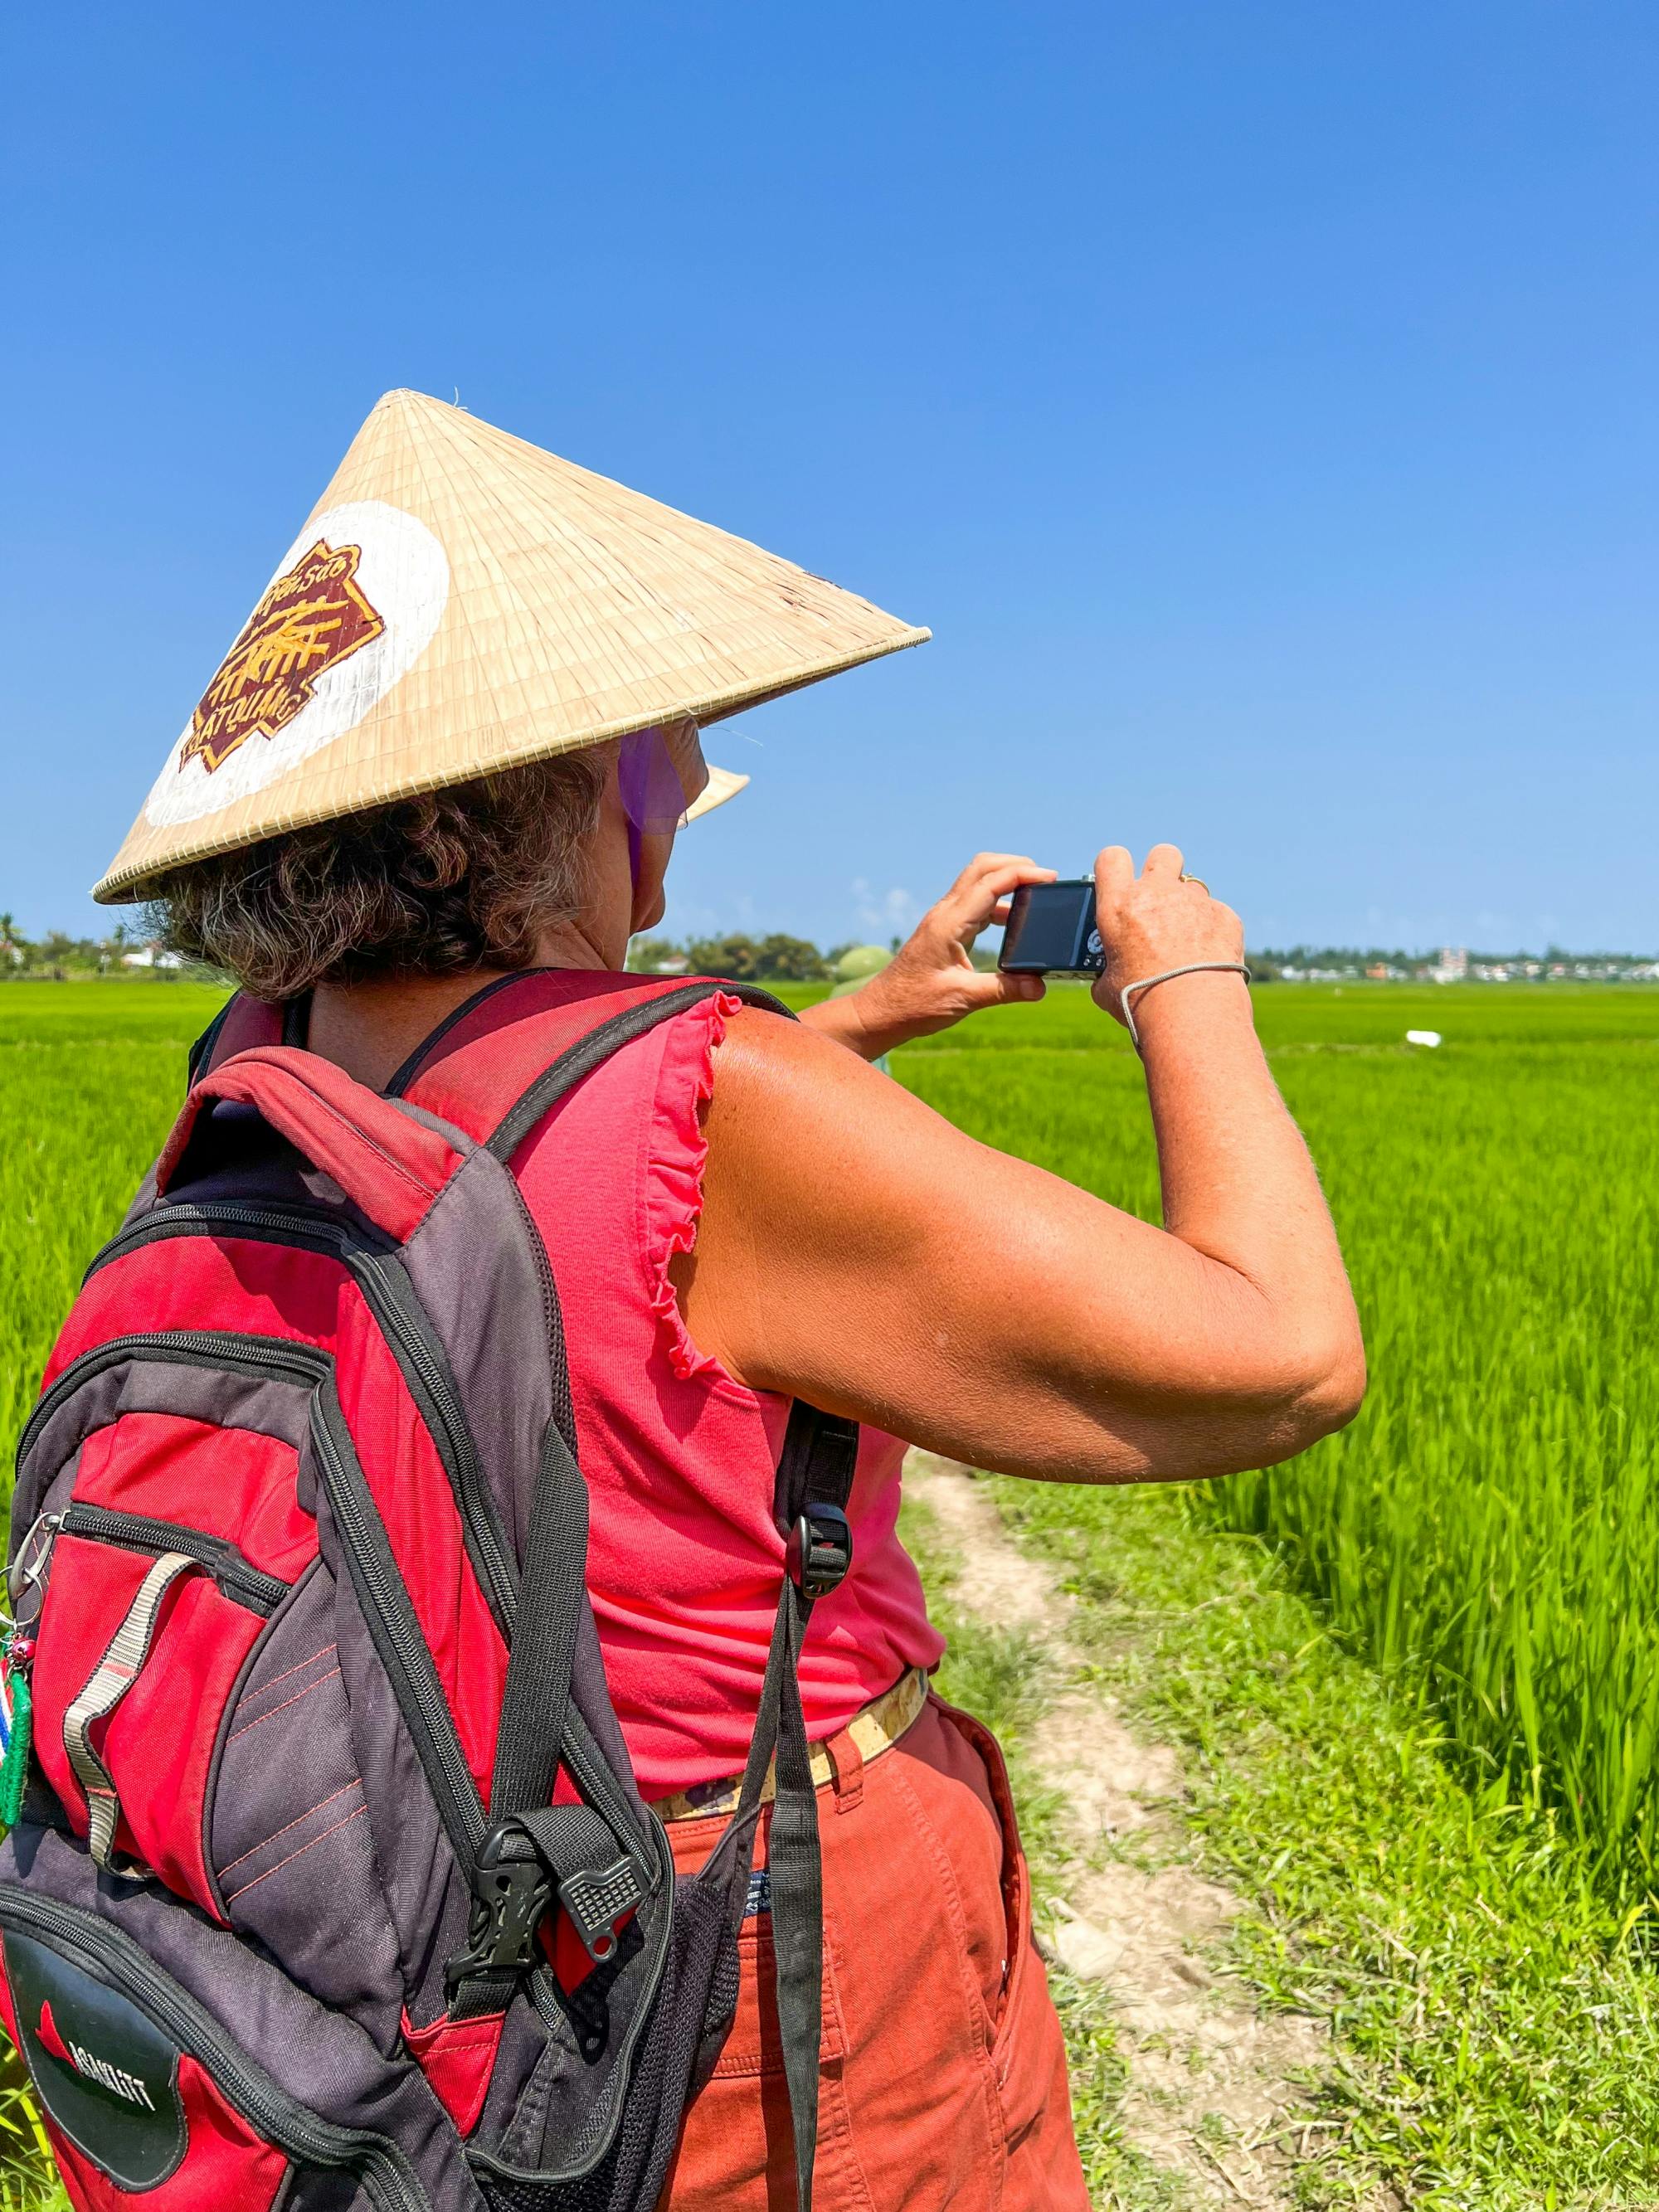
(25, 1583)
(16, 1721)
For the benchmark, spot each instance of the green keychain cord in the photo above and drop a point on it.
(15, 1768)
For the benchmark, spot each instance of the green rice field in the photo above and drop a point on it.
(1485, 1535)
(1487, 1531)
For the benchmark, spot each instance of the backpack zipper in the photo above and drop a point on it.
(399, 1638)
(391, 1299)
(108, 1954)
(197, 1347)
(384, 1286)
(235, 1576)
(403, 1649)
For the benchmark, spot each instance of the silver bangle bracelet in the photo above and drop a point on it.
(1167, 976)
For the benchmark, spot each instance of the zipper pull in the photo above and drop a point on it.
(27, 1574)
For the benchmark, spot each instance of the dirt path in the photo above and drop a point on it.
(1215, 2087)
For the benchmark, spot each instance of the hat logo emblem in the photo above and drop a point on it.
(312, 617)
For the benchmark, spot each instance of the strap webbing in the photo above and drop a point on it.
(538, 1691)
(796, 1874)
(536, 1716)
(113, 1676)
(815, 1465)
(587, 1053)
(201, 1052)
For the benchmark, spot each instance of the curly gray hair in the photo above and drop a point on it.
(450, 880)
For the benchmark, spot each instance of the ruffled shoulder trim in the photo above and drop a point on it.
(674, 1166)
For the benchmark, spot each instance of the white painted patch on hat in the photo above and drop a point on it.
(399, 581)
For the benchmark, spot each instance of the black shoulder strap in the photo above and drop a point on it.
(589, 1052)
(817, 1462)
(202, 1051)
(296, 1020)
(536, 1693)
(814, 1482)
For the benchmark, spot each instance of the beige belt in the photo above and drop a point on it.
(874, 1729)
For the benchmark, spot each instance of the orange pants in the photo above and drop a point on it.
(943, 2080)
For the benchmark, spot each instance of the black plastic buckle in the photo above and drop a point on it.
(511, 1894)
(597, 1898)
(819, 1551)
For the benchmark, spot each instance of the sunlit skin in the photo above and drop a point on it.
(858, 1250)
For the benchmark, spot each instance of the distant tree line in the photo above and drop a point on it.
(776, 958)
(57, 957)
(1396, 964)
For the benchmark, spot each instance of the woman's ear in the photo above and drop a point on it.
(650, 899)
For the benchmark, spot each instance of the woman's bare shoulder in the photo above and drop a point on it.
(821, 1168)
(857, 1249)
(781, 1085)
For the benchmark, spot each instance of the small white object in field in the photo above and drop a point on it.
(1423, 1036)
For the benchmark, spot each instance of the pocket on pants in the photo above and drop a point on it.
(1027, 2053)
(753, 2047)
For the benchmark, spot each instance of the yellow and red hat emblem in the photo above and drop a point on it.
(312, 617)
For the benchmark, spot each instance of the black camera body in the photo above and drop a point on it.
(1052, 931)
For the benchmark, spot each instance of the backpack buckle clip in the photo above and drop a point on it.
(819, 1551)
(511, 1894)
(597, 1898)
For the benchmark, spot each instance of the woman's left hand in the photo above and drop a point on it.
(931, 981)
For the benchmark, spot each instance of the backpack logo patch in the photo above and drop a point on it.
(105, 2073)
(312, 617)
(88, 2064)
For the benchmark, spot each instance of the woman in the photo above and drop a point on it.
(740, 1212)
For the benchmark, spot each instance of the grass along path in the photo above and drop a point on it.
(1209, 2087)
(1490, 2023)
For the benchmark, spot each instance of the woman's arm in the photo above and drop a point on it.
(932, 981)
(858, 1250)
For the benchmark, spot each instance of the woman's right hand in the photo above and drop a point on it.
(1156, 921)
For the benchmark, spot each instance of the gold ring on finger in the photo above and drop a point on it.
(1198, 880)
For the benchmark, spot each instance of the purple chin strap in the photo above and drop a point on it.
(658, 775)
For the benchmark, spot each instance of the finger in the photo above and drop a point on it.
(1115, 871)
(999, 990)
(1163, 861)
(992, 873)
(972, 902)
(984, 864)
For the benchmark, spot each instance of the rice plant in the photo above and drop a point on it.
(1487, 1531)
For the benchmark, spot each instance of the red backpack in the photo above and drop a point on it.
(333, 1887)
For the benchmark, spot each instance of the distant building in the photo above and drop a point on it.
(1452, 966)
(151, 956)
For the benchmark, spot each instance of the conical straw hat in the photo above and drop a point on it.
(722, 785)
(460, 601)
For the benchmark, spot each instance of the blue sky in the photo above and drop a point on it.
(1257, 401)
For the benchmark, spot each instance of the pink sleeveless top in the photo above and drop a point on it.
(684, 1562)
